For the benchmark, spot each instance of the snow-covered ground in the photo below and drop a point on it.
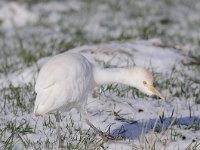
(160, 36)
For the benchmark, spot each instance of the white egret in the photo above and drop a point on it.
(66, 79)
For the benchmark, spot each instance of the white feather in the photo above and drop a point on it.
(64, 82)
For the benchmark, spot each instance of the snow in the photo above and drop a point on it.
(60, 7)
(138, 53)
(139, 115)
(100, 111)
(13, 14)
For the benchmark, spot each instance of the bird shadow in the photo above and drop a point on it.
(135, 129)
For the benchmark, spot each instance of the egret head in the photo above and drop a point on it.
(143, 81)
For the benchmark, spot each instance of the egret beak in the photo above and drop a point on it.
(154, 91)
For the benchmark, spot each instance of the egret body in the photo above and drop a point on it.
(66, 79)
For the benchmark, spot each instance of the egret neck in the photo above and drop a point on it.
(136, 77)
(111, 75)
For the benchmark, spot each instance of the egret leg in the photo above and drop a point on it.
(105, 136)
(58, 128)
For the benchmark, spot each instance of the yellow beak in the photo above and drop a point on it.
(154, 90)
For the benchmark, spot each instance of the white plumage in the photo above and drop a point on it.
(63, 83)
(65, 80)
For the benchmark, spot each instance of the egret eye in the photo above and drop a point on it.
(144, 82)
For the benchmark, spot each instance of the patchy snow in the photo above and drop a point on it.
(143, 122)
(138, 53)
(59, 7)
(22, 77)
(134, 122)
(16, 15)
(83, 21)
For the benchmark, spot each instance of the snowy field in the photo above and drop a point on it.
(162, 36)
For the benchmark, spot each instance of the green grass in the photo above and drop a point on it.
(17, 134)
(17, 100)
(23, 48)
